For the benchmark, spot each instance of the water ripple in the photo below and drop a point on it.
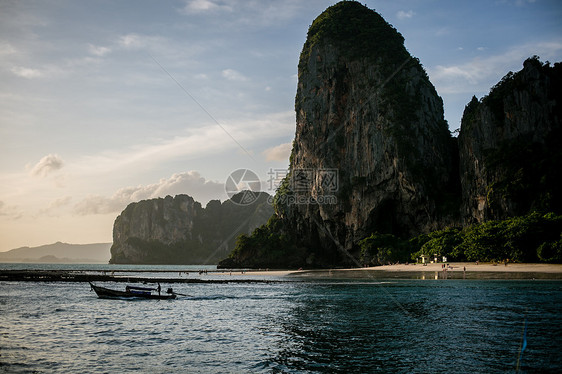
(316, 327)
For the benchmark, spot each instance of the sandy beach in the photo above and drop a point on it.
(473, 267)
(451, 270)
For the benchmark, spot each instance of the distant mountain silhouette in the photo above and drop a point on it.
(59, 253)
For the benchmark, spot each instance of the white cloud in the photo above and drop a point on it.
(481, 73)
(6, 49)
(249, 13)
(45, 71)
(140, 41)
(402, 15)
(27, 73)
(190, 183)
(47, 165)
(157, 45)
(233, 75)
(198, 142)
(99, 51)
(198, 6)
(131, 41)
(280, 152)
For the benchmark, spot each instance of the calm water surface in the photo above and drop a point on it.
(359, 326)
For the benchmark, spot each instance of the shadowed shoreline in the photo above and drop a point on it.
(79, 276)
(399, 271)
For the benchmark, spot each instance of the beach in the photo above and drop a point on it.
(451, 270)
(194, 274)
(473, 267)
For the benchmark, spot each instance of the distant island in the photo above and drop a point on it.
(59, 253)
(178, 230)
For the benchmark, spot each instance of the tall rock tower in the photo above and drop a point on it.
(511, 146)
(372, 151)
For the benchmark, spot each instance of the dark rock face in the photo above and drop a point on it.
(365, 109)
(179, 231)
(511, 146)
(372, 154)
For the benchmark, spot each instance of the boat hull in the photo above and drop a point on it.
(106, 293)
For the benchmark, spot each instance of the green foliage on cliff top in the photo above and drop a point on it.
(513, 82)
(357, 30)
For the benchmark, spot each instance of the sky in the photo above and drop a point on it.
(104, 103)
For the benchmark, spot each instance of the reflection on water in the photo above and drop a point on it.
(418, 327)
(311, 326)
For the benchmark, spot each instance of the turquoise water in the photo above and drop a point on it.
(315, 326)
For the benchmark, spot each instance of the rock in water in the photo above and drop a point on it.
(372, 151)
(177, 230)
(511, 146)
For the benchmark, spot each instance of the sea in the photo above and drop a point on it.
(288, 324)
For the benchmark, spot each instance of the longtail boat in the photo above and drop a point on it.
(133, 292)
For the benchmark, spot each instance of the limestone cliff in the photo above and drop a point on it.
(366, 110)
(179, 231)
(372, 153)
(511, 146)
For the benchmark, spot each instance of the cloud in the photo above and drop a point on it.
(46, 71)
(131, 41)
(27, 73)
(196, 142)
(47, 165)
(280, 152)
(9, 211)
(199, 6)
(233, 75)
(189, 182)
(99, 51)
(248, 13)
(156, 44)
(56, 204)
(402, 15)
(6, 49)
(481, 73)
(139, 41)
